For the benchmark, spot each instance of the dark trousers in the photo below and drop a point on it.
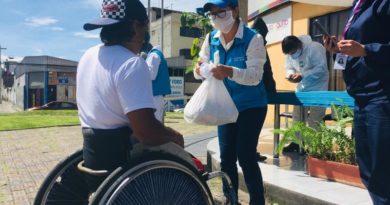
(239, 141)
(372, 133)
(105, 150)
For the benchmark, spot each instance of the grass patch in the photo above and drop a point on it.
(174, 115)
(38, 118)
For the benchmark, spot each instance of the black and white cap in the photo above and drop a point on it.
(114, 11)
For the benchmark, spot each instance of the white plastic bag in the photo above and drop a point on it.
(211, 104)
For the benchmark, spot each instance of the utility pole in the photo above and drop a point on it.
(162, 26)
(1, 77)
(149, 11)
(243, 5)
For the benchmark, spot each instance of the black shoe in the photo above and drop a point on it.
(260, 158)
(292, 147)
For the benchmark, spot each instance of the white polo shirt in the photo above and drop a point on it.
(111, 82)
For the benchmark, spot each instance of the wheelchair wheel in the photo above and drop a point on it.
(156, 179)
(64, 185)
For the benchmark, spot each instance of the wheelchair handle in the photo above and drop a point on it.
(82, 168)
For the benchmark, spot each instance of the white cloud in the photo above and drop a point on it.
(11, 58)
(38, 51)
(86, 35)
(40, 21)
(95, 4)
(57, 28)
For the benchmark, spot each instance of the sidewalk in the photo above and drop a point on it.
(26, 156)
(286, 181)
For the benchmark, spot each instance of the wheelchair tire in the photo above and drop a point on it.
(156, 179)
(64, 185)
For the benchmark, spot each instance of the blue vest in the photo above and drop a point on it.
(161, 85)
(244, 96)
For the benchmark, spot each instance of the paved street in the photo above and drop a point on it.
(26, 156)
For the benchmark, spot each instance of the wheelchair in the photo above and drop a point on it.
(151, 177)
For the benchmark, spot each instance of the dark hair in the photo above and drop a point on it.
(290, 43)
(119, 32)
(261, 28)
(233, 6)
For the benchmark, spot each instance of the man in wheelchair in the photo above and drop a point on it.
(114, 92)
(115, 101)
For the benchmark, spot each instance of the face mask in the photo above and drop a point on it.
(145, 42)
(296, 54)
(224, 24)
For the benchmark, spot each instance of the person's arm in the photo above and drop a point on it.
(256, 58)
(149, 131)
(134, 90)
(378, 53)
(204, 57)
(153, 60)
(290, 70)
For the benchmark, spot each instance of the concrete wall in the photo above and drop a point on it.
(173, 42)
(19, 91)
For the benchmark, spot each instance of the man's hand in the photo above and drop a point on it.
(221, 72)
(176, 137)
(330, 43)
(295, 78)
(351, 48)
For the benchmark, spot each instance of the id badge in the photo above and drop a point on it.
(341, 62)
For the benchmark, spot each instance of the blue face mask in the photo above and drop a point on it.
(296, 54)
(145, 42)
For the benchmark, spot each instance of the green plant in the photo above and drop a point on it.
(325, 142)
(189, 20)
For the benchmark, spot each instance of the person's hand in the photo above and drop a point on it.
(220, 72)
(295, 78)
(351, 48)
(176, 137)
(330, 43)
(197, 66)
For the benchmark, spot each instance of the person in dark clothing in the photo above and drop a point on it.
(270, 86)
(366, 48)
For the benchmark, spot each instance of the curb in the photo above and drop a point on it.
(274, 194)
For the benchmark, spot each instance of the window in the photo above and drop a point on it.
(334, 23)
(186, 52)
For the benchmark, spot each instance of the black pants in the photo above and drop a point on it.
(239, 141)
(372, 133)
(105, 150)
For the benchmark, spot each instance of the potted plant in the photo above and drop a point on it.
(330, 151)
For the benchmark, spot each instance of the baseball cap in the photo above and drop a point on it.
(114, 11)
(219, 3)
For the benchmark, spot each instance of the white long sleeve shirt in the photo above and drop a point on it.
(256, 57)
(153, 60)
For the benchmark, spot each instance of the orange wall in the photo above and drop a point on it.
(301, 14)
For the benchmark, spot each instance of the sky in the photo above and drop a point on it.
(54, 27)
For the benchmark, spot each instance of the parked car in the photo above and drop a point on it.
(56, 105)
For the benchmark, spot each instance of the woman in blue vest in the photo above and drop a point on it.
(366, 49)
(238, 55)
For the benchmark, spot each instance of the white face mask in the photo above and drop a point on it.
(224, 24)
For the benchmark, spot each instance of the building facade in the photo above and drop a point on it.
(296, 17)
(39, 80)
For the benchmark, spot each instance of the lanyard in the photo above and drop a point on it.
(356, 9)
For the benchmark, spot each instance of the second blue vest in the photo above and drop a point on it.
(161, 85)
